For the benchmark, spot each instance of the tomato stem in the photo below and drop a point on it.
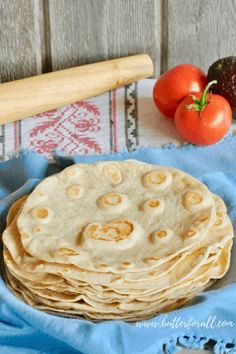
(205, 92)
(200, 104)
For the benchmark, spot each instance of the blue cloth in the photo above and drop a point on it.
(26, 330)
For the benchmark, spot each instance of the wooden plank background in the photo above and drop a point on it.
(38, 36)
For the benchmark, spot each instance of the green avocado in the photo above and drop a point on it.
(224, 71)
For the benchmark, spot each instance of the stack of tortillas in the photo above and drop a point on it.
(116, 240)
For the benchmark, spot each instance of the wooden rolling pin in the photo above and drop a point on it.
(26, 97)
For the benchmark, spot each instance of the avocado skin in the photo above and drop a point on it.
(224, 71)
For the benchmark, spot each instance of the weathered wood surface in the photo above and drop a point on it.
(20, 52)
(87, 31)
(38, 35)
(43, 35)
(201, 31)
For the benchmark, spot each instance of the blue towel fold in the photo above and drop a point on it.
(211, 316)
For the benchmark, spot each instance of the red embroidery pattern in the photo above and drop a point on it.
(72, 129)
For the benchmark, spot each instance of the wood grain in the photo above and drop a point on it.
(20, 53)
(92, 30)
(40, 36)
(200, 32)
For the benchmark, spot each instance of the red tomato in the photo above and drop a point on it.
(176, 84)
(206, 126)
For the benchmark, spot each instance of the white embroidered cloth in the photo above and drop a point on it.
(123, 118)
